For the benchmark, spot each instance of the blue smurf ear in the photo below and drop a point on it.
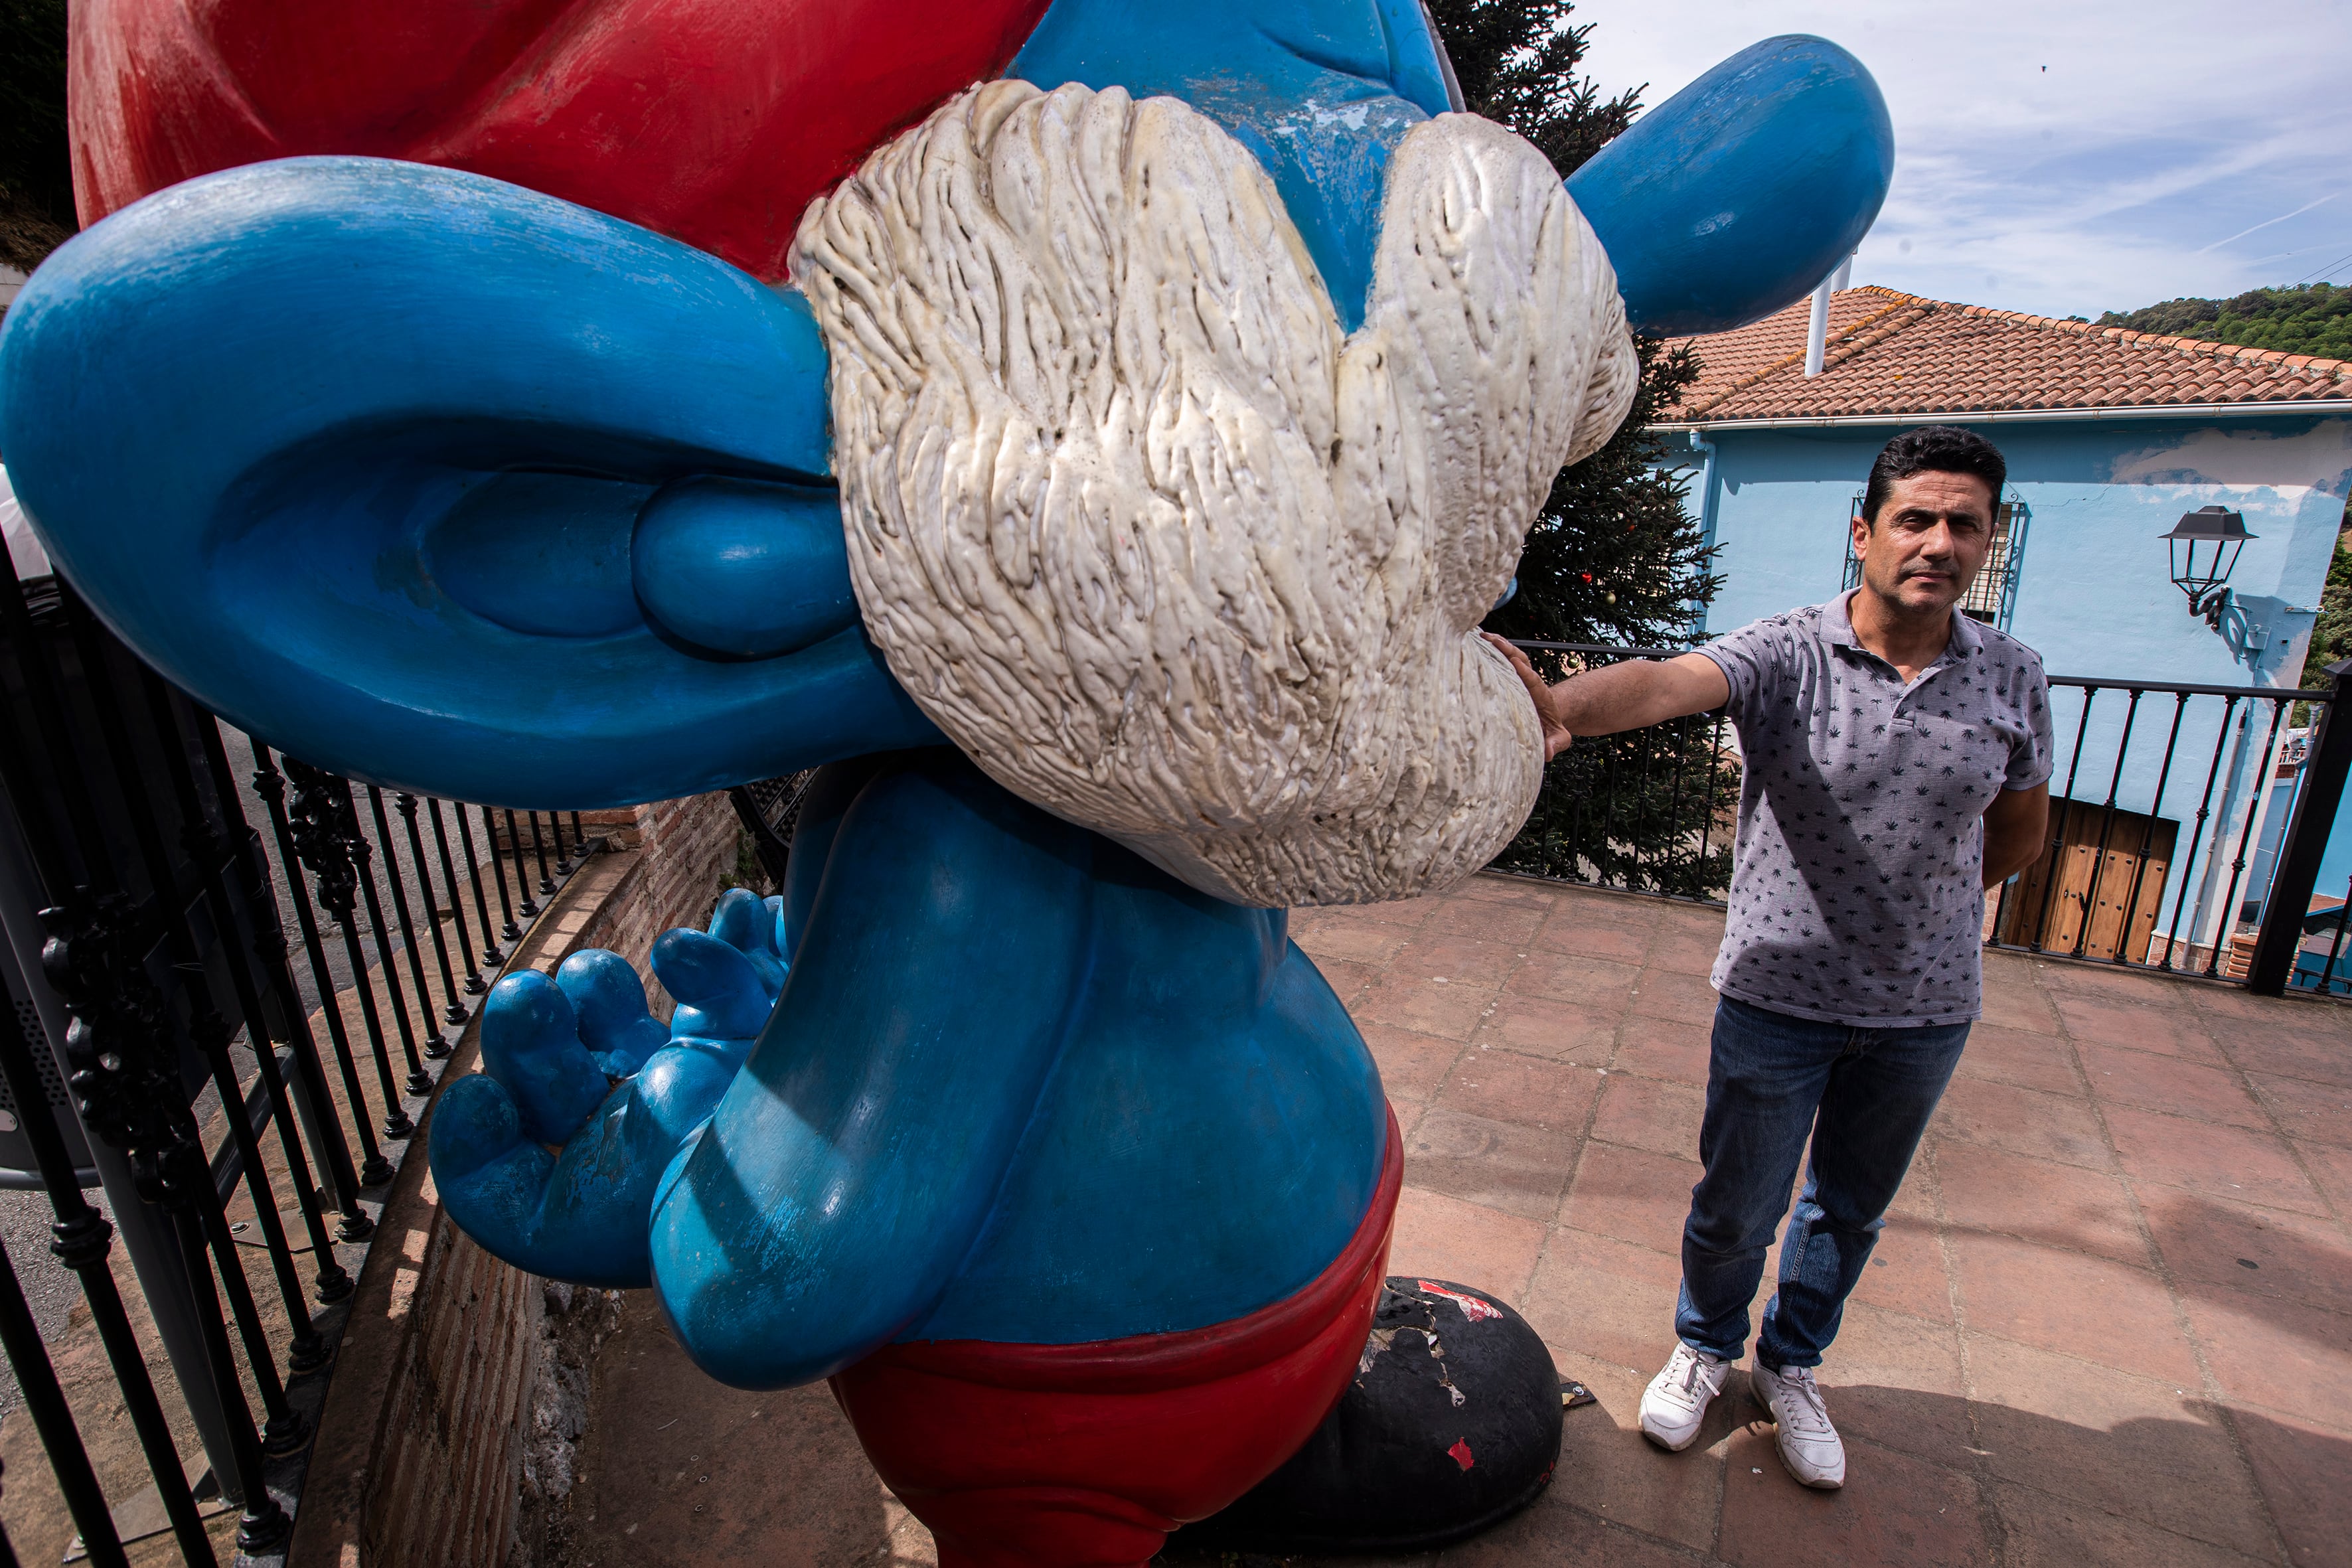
(445, 484)
(1744, 190)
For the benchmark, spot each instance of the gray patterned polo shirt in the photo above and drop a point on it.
(1857, 870)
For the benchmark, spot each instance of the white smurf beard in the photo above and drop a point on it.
(1161, 547)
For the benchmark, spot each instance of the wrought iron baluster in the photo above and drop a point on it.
(529, 906)
(2196, 836)
(538, 848)
(327, 838)
(417, 1083)
(562, 856)
(208, 852)
(208, 1029)
(507, 930)
(1714, 782)
(354, 1224)
(474, 985)
(2147, 835)
(452, 1010)
(45, 1402)
(2263, 766)
(492, 954)
(2058, 836)
(82, 1238)
(2336, 944)
(2107, 830)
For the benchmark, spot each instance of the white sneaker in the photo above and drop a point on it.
(1808, 1445)
(1675, 1403)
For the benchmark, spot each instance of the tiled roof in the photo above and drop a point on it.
(1891, 353)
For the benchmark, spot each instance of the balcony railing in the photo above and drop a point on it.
(160, 1043)
(2163, 795)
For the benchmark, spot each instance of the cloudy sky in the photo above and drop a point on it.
(2066, 156)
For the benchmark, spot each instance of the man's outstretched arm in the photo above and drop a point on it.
(1628, 696)
(2015, 826)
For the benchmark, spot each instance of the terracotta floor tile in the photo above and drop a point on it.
(2147, 1450)
(1582, 929)
(2022, 1121)
(1644, 1113)
(2040, 1530)
(1486, 920)
(2276, 1353)
(2331, 1167)
(1346, 979)
(1555, 1532)
(1506, 1086)
(1604, 1299)
(1661, 1048)
(2314, 1112)
(2093, 1308)
(1411, 1065)
(1895, 1380)
(2265, 1252)
(2171, 1030)
(2226, 1162)
(2014, 1056)
(1500, 890)
(1682, 998)
(1571, 977)
(1894, 1510)
(1906, 1273)
(1609, 1469)
(2323, 1056)
(1687, 950)
(1402, 912)
(2300, 1469)
(1445, 1238)
(1357, 940)
(1502, 1164)
(1632, 1196)
(2286, 1012)
(2148, 1081)
(1558, 1031)
(2137, 986)
(2018, 1006)
(1431, 953)
(2039, 1200)
(1423, 1004)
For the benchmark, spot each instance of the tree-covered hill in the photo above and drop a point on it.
(2314, 319)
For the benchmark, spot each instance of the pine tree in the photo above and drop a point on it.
(1614, 557)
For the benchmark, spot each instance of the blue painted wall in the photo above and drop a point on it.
(2095, 595)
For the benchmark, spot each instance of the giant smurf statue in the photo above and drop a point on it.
(1094, 429)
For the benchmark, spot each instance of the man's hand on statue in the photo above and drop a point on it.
(1556, 735)
(541, 1156)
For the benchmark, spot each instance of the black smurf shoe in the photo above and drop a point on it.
(1451, 1424)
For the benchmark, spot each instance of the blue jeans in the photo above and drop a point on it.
(1865, 1096)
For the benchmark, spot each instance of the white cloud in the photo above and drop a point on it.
(2065, 159)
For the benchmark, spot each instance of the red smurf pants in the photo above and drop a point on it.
(1085, 1456)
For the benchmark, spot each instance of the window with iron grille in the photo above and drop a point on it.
(1993, 598)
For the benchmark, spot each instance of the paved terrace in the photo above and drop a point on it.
(2110, 1321)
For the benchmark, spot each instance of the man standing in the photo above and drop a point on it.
(1897, 756)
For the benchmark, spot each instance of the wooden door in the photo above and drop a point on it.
(2108, 867)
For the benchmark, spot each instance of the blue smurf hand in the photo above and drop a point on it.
(617, 1027)
(549, 1049)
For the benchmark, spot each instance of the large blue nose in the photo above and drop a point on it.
(1744, 190)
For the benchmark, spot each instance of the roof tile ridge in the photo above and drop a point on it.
(1902, 301)
(1850, 343)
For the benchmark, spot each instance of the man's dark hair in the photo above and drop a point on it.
(1933, 449)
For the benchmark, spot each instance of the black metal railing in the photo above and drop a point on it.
(2188, 823)
(163, 1049)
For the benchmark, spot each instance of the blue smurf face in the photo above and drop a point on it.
(449, 485)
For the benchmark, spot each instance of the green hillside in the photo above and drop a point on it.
(2315, 318)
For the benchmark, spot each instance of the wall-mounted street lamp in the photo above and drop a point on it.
(2204, 546)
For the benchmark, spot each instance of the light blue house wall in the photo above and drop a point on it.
(2094, 593)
